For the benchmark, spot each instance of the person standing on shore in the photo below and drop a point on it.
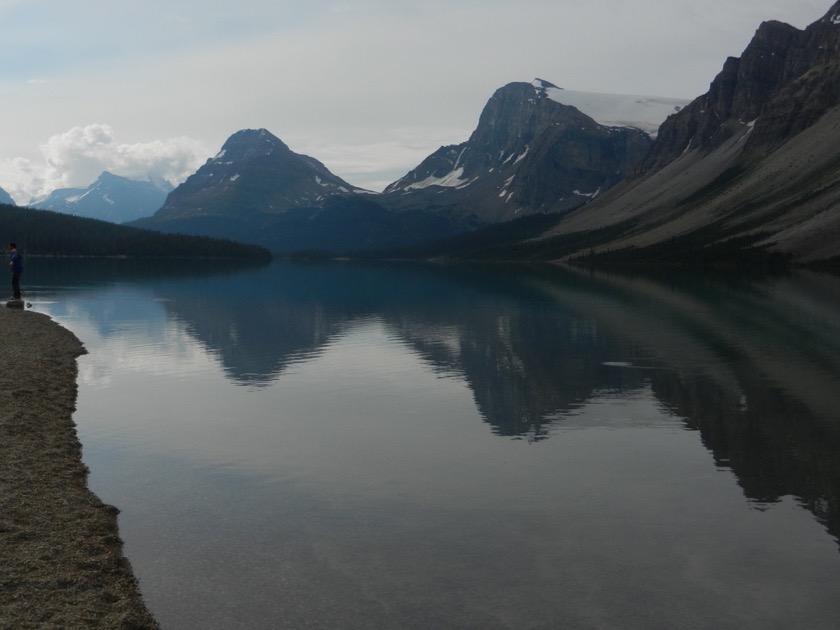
(16, 268)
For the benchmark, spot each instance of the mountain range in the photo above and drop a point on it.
(749, 169)
(530, 153)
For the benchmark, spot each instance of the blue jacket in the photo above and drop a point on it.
(16, 262)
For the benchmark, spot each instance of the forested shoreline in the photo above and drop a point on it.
(46, 233)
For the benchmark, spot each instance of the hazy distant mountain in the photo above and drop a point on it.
(753, 163)
(6, 198)
(110, 198)
(537, 148)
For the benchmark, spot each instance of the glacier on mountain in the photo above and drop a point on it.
(645, 113)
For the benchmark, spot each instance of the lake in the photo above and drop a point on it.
(342, 445)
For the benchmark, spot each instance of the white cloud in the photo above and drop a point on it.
(75, 158)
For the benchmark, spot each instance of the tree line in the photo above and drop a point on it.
(47, 233)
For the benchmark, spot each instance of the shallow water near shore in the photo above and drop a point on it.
(405, 446)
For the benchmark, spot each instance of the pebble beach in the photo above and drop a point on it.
(61, 557)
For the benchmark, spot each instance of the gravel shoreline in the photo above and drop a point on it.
(61, 557)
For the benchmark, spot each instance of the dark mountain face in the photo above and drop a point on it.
(752, 165)
(528, 154)
(784, 81)
(110, 198)
(255, 173)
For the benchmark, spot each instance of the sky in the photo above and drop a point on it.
(369, 87)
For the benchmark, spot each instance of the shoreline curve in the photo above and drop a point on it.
(61, 557)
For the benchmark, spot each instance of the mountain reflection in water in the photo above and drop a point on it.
(752, 364)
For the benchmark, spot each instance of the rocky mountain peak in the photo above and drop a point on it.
(529, 153)
(833, 15)
(254, 173)
(248, 144)
(783, 82)
(514, 116)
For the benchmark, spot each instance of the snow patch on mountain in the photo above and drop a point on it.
(516, 159)
(645, 113)
(453, 179)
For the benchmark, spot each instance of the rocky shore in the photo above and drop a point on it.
(61, 559)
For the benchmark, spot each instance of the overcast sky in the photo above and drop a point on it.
(369, 87)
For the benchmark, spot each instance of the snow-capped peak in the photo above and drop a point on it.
(646, 113)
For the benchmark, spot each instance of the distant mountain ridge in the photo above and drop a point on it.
(110, 198)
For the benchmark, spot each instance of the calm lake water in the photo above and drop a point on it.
(352, 446)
